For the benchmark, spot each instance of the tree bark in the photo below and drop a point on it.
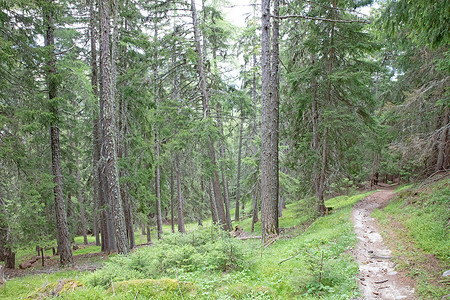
(109, 134)
(95, 136)
(315, 128)
(179, 196)
(442, 159)
(222, 168)
(171, 200)
(206, 115)
(238, 180)
(269, 126)
(212, 203)
(157, 144)
(65, 252)
(80, 199)
(255, 210)
(6, 253)
(321, 204)
(149, 236)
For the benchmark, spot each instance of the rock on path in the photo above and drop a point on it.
(377, 276)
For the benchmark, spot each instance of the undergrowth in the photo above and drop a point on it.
(209, 264)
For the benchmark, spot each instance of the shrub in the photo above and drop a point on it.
(206, 249)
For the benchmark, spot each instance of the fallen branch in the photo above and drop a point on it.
(381, 281)
(251, 237)
(290, 257)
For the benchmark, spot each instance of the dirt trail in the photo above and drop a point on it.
(378, 279)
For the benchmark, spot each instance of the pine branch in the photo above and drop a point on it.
(320, 19)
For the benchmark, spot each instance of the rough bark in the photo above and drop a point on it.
(109, 134)
(269, 126)
(123, 154)
(96, 137)
(207, 114)
(238, 179)
(65, 252)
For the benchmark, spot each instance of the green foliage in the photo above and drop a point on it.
(207, 249)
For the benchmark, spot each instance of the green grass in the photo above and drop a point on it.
(209, 265)
(20, 288)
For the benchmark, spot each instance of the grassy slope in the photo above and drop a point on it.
(416, 226)
(322, 266)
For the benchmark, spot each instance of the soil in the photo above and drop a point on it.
(378, 278)
(82, 262)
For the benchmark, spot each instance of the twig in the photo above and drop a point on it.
(290, 257)
(178, 284)
(320, 19)
(137, 292)
(112, 287)
(382, 281)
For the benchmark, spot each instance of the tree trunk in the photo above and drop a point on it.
(222, 168)
(171, 200)
(66, 258)
(315, 129)
(179, 196)
(6, 253)
(255, 211)
(80, 199)
(238, 180)
(212, 203)
(442, 159)
(96, 133)
(269, 126)
(207, 114)
(109, 134)
(321, 204)
(149, 236)
(157, 145)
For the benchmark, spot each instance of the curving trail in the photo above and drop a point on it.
(377, 279)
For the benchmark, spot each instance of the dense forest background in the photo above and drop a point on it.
(127, 113)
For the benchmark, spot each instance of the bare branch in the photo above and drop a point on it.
(320, 19)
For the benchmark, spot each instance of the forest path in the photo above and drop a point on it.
(377, 277)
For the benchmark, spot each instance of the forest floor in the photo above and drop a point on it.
(392, 243)
(378, 279)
